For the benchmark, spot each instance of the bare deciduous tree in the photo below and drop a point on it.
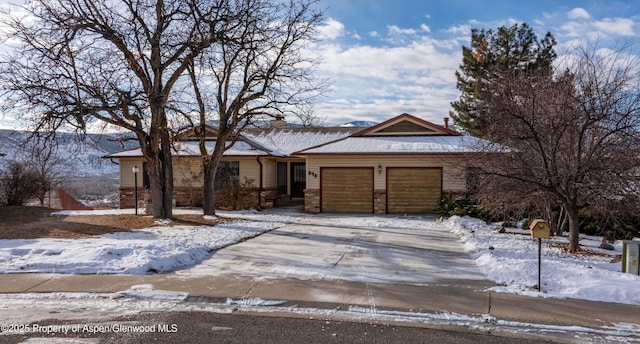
(74, 62)
(574, 137)
(18, 183)
(262, 73)
(45, 162)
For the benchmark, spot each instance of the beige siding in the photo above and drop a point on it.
(249, 168)
(126, 173)
(187, 171)
(453, 175)
(269, 167)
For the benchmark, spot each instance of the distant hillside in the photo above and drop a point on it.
(84, 158)
(78, 158)
(359, 124)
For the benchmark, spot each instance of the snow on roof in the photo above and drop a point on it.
(191, 148)
(289, 140)
(399, 145)
(261, 142)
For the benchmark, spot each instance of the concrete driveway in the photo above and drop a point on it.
(374, 249)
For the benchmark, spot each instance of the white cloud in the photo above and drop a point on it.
(616, 26)
(578, 13)
(375, 83)
(460, 30)
(573, 29)
(331, 29)
(604, 52)
(572, 44)
(415, 73)
(395, 30)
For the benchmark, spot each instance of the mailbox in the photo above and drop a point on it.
(540, 229)
(631, 257)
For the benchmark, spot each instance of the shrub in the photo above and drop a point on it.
(18, 184)
(448, 207)
(236, 193)
(509, 224)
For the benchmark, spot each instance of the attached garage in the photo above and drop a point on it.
(346, 190)
(413, 190)
(404, 165)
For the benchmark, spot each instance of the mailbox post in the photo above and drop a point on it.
(540, 229)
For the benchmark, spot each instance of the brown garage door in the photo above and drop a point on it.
(346, 190)
(413, 190)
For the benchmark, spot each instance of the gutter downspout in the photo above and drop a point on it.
(260, 187)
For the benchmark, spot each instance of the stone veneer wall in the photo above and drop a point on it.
(267, 193)
(312, 201)
(379, 201)
(188, 197)
(127, 197)
(185, 197)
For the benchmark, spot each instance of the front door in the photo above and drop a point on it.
(298, 179)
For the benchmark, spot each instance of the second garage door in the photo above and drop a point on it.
(413, 190)
(346, 190)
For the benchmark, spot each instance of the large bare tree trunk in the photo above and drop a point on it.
(574, 227)
(161, 189)
(209, 189)
(209, 197)
(167, 165)
(159, 158)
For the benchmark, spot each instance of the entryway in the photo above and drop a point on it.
(298, 179)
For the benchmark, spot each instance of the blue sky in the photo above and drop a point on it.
(390, 57)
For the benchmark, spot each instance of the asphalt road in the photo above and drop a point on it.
(196, 327)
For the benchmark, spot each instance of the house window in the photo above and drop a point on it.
(227, 173)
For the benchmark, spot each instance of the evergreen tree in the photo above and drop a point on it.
(491, 57)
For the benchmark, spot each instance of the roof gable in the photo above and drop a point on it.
(211, 133)
(406, 125)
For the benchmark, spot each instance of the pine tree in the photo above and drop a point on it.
(491, 56)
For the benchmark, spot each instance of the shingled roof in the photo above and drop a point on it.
(279, 142)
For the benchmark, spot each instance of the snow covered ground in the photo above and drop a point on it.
(161, 248)
(513, 263)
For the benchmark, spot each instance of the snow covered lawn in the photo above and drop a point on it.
(513, 264)
(156, 249)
